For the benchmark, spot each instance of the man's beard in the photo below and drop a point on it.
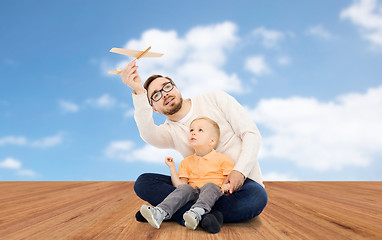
(175, 108)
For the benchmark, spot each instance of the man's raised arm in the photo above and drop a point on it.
(131, 78)
(154, 135)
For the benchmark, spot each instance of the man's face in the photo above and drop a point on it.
(170, 102)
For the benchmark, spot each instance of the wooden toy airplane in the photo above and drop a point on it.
(133, 53)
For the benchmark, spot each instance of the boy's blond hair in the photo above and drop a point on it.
(214, 125)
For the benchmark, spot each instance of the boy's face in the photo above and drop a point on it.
(170, 102)
(201, 134)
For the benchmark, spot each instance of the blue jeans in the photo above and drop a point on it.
(246, 203)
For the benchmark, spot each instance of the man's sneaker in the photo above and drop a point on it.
(191, 219)
(139, 217)
(152, 215)
(212, 222)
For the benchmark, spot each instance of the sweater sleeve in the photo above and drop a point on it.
(244, 127)
(158, 136)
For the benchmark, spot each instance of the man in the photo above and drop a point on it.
(240, 139)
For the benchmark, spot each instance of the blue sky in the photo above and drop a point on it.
(309, 73)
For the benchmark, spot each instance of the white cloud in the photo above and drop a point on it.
(275, 176)
(207, 44)
(193, 60)
(104, 102)
(26, 173)
(13, 164)
(167, 42)
(23, 141)
(12, 140)
(284, 60)
(129, 113)
(270, 38)
(367, 15)
(10, 163)
(257, 65)
(125, 150)
(320, 32)
(323, 135)
(119, 150)
(152, 154)
(68, 107)
(128, 109)
(47, 141)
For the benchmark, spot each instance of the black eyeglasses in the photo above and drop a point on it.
(156, 96)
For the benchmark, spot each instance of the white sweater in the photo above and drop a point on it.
(239, 137)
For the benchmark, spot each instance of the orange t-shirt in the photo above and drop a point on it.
(211, 168)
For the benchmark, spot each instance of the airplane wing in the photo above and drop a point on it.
(118, 72)
(135, 53)
(115, 72)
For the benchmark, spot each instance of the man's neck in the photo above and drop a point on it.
(186, 106)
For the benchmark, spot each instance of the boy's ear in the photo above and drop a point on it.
(212, 141)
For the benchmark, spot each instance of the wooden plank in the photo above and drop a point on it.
(106, 210)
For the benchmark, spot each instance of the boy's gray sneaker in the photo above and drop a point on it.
(191, 219)
(152, 215)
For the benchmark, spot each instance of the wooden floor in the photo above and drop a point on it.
(106, 210)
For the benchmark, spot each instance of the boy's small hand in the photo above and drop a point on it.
(169, 162)
(236, 180)
(225, 188)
